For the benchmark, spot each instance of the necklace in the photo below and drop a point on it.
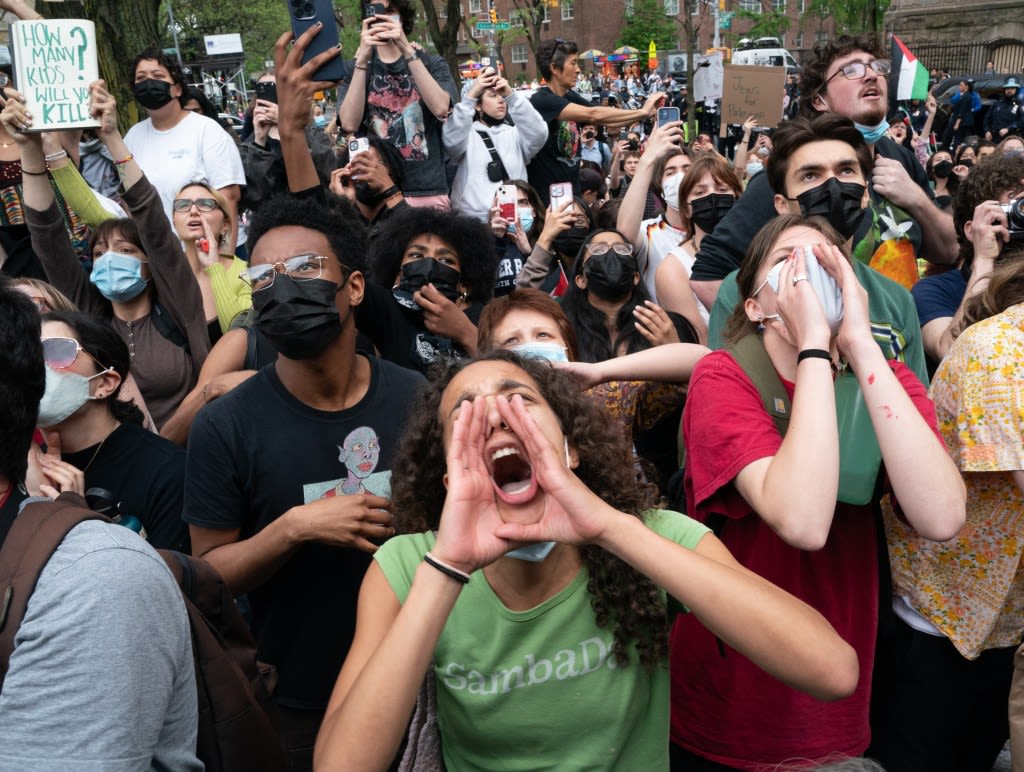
(96, 453)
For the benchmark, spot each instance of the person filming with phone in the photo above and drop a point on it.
(401, 95)
(488, 149)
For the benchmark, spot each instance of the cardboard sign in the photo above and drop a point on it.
(54, 63)
(748, 90)
(707, 77)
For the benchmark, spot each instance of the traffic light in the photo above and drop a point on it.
(494, 15)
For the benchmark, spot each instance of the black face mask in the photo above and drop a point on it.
(967, 162)
(707, 211)
(299, 318)
(568, 242)
(484, 117)
(366, 195)
(152, 94)
(610, 276)
(942, 169)
(419, 273)
(838, 202)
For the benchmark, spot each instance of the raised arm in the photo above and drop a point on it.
(664, 140)
(612, 117)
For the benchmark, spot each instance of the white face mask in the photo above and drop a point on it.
(65, 393)
(825, 288)
(670, 190)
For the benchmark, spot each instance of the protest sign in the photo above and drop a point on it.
(748, 90)
(54, 63)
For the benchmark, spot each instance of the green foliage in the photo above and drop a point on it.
(767, 23)
(851, 16)
(648, 23)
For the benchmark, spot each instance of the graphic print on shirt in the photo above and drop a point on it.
(396, 114)
(359, 452)
(568, 142)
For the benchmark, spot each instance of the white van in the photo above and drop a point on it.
(766, 52)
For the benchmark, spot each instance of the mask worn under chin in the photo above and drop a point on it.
(538, 551)
(118, 277)
(942, 169)
(418, 274)
(707, 211)
(670, 190)
(569, 242)
(299, 318)
(610, 276)
(65, 393)
(490, 120)
(838, 202)
(151, 93)
(366, 195)
(872, 134)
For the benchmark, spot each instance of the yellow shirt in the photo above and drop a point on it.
(231, 294)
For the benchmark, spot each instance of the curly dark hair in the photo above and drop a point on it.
(470, 238)
(812, 75)
(22, 379)
(595, 345)
(991, 177)
(624, 600)
(157, 55)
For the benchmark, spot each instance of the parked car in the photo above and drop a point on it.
(232, 121)
(989, 87)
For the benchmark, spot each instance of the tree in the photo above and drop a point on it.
(851, 16)
(122, 30)
(532, 13)
(446, 38)
(768, 22)
(649, 22)
(691, 40)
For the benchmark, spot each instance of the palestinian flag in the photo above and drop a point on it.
(909, 76)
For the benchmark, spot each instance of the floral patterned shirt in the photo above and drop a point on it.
(972, 587)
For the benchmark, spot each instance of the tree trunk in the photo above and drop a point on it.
(446, 39)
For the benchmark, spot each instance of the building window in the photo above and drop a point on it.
(753, 6)
(477, 32)
(798, 40)
(547, 13)
(821, 38)
(442, 12)
(671, 7)
(517, 19)
(519, 55)
(474, 6)
(629, 9)
(567, 8)
(779, 6)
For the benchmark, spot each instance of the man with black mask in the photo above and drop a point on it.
(847, 78)
(266, 461)
(820, 167)
(174, 146)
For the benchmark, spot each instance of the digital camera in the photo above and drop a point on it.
(1015, 218)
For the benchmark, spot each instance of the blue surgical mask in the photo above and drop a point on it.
(552, 352)
(872, 134)
(525, 214)
(533, 553)
(118, 277)
(754, 167)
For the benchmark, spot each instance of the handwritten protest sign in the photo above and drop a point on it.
(748, 90)
(54, 63)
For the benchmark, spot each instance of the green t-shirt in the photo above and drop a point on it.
(894, 321)
(540, 689)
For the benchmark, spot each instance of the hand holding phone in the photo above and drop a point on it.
(667, 115)
(558, 194)
(267, 91)
(307, 13)
(506, 196)
(357, 146)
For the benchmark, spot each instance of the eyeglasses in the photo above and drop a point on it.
(619, 247)
(299, 268)
(857, 70)
(203, 204)
(61, 353)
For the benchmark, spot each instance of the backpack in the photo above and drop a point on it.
(236, 728)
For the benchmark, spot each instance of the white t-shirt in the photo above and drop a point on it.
(657, 238)
(682, 254)
(196, 150)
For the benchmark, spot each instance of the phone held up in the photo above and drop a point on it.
(304, 14)
(558, 194)
(507, 202)
(357, 146)
(267, 91)
(667, 115)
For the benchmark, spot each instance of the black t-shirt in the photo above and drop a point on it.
(722, 252)
(256, 453)
(399, 333)
(510, 263)
(146, 474)
(556, 161)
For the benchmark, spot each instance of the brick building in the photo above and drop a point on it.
(598, 24)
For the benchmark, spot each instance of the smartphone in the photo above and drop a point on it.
(667, 114)
(507, 202)
(496, 63)
(558, 194)
(357, 146)
(306, 13)
(623, 134)
(267, 91)
(373, 9)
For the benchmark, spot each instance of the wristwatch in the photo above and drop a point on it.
(414, 55)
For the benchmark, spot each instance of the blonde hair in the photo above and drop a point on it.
(216, 195)
(55, 299)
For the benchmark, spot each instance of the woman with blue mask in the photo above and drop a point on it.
(794, 437)
(514, 239)
(430, 274)
(552, 663)
(140, 279)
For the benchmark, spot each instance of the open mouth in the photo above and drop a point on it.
(870, 92)
(512, 475)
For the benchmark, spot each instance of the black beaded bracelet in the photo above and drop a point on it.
(444, 568)
(393, 190)
(813, 353)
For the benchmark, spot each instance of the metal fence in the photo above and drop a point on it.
(959, 58)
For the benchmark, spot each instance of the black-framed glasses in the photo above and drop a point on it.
(857, 70)
(61, 353)
(299, 268)
(619, 248)
(202, 204)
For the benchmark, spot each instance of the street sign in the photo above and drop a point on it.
(486, 25)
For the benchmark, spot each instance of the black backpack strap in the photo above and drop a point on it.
(495, 158)
(750, 355)
(167, 327)
(32, 540)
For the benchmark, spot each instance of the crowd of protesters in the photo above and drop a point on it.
(529, 432)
